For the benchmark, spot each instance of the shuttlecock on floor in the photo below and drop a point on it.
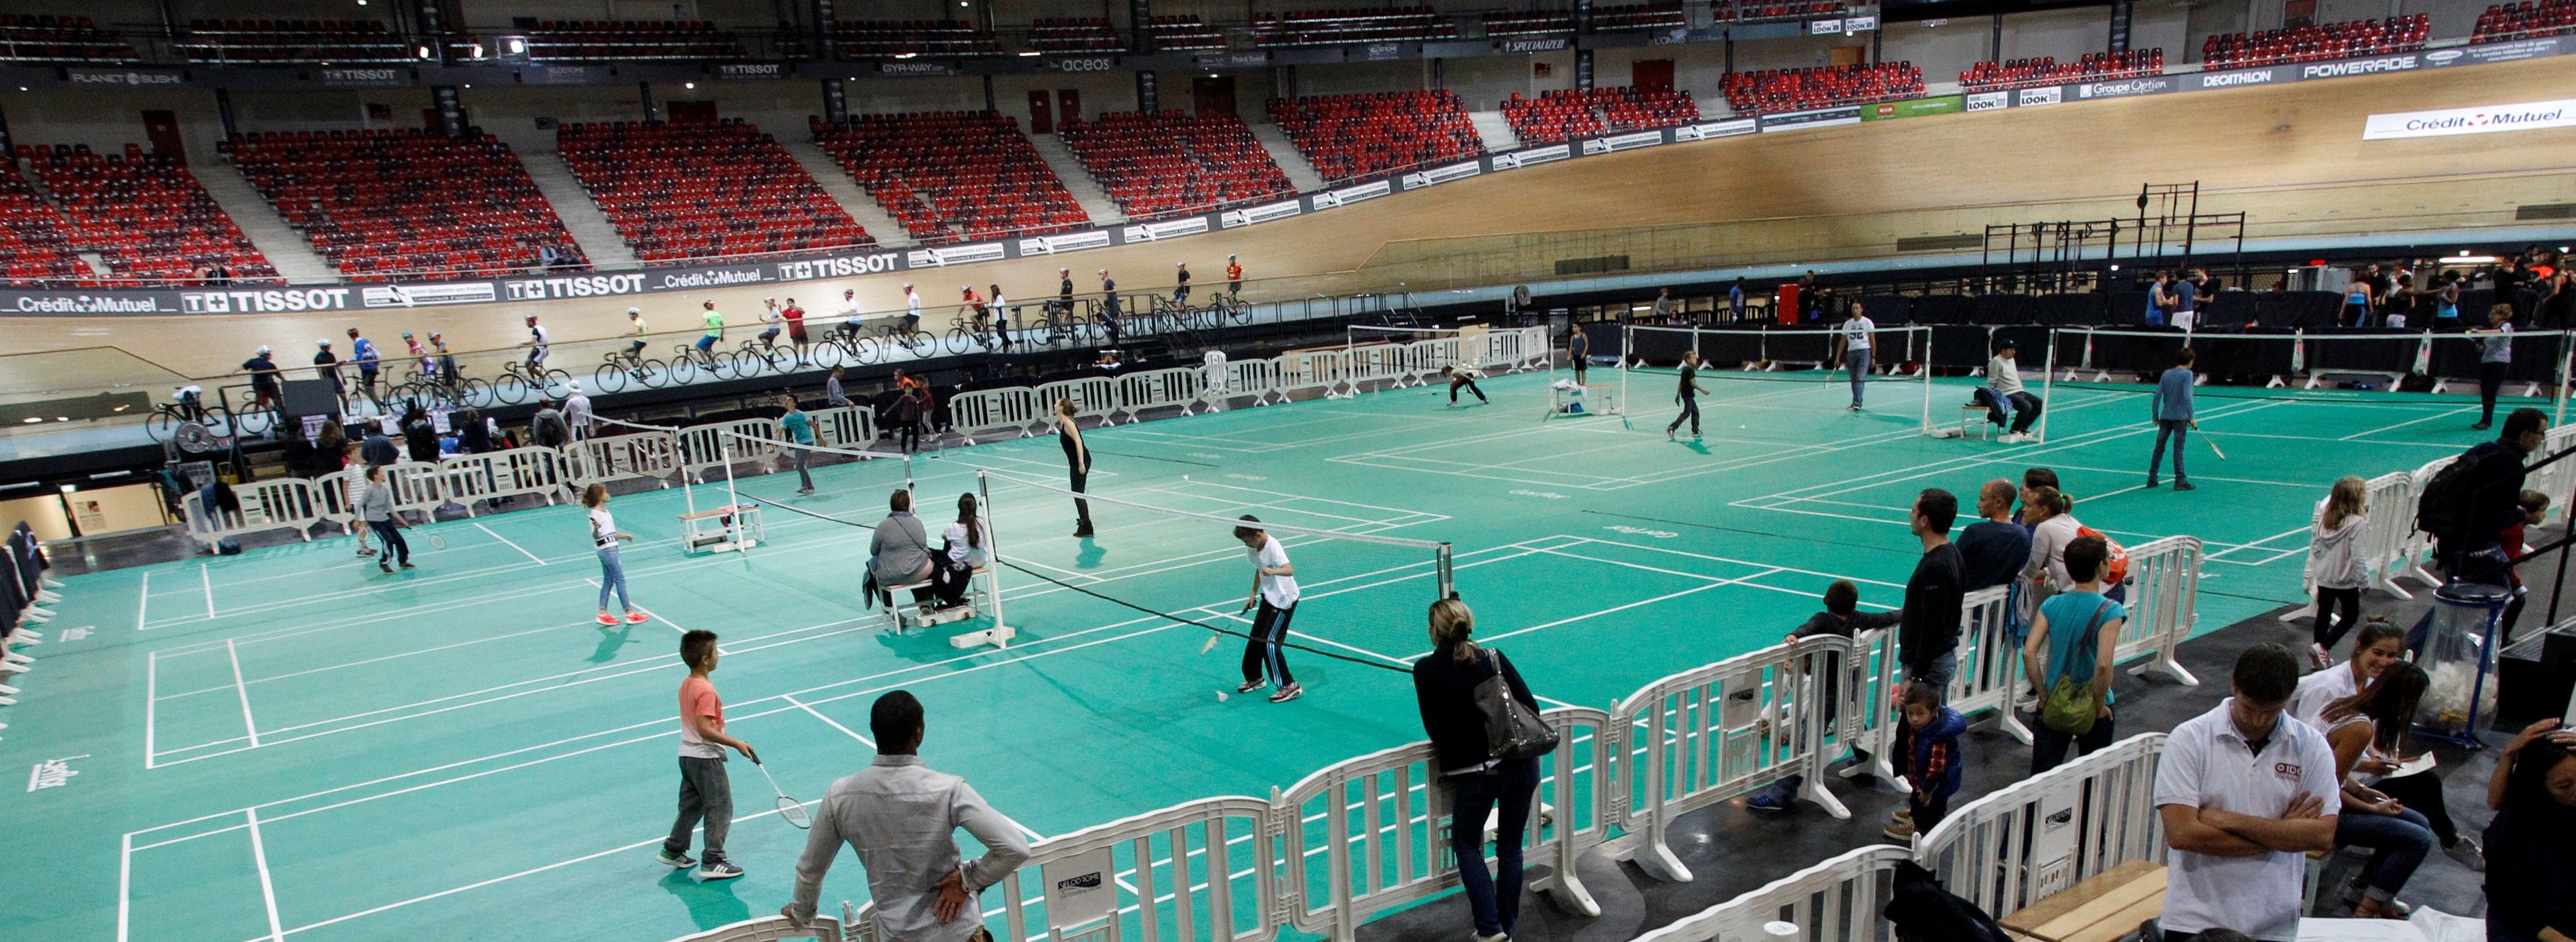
(1221, 696)
(1205, 648)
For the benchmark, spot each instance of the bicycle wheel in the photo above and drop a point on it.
(254, 422)
(824, 355)
(864, 351)
(610, 377)
(684, 368)
(779, 360)
(472, 391)
(509, 388)
(957, 340)
(651, 373)
(161, 425)
(1238, 312)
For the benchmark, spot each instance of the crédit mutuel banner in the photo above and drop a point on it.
(2483, 119)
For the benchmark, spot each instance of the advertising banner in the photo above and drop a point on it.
(1710, 131)
(1604, 145)
(1818, 118)
(2237, 79)
(1165, 229)
(1987, 101)
(1945, 104)
(1264, 213)
(2483, 119)
(2033, 97)
(1533, 156)
(1422, 178)
(1065, 242)
(1352, 194)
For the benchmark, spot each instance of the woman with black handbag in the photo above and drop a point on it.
(1488, 737)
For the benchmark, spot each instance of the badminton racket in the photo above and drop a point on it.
(789, 810)
(2212, 442)
(437, 542)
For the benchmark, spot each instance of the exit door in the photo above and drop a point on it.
(1068, 105)
(1652, 75)
(692, 112)
(1212, 94)
(1041, 117)
(162, 129)
(1846, 55)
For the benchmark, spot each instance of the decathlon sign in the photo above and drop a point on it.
(2489, 119)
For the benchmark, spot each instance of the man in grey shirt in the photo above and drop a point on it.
(832, 395)
(899, 553)
(900, 818)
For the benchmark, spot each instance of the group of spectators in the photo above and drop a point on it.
(2533, 283)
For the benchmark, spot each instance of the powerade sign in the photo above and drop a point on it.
(2359, 67)
(2489, 119)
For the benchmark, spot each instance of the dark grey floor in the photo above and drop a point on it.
(1731, 851)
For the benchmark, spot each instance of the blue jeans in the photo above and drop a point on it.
(612, 574)
(2401, 840)
(1494, 898)
(2176, 429)
(1856, 362)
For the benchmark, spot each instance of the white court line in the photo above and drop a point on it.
(1965, 462)
(1619, 608)
(2404, 424)
(267, 888)
(835, 724)
(143, 603)
(209, 581)
(506, 541)
(124, 885)
(151, 681)
(248, 725)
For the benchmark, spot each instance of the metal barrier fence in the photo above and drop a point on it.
(844, 427)
(1714, 732)
(707, 447)
(1839, 900)
(1989, 660)
(2020, 844)
(286, 504)
(2164, 604)
(600, 459)
(496, 475)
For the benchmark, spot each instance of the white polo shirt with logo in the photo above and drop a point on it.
(2208, 764)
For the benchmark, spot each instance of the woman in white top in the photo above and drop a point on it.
(612, 571)
(969, 545)
(2335, 566)
(2053, 525)
(2366, 739)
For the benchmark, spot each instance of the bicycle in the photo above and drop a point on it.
(518, 379)
(184, 409)
(966, 330)
(687, 359)
(753, 357)
(845, 345)
(618, 367)
(1229, 309)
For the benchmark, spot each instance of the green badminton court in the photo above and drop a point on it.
(288, 744)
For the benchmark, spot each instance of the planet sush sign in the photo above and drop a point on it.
(2484, 119)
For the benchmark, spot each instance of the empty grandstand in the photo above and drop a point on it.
(913, 38)
(145, 215)
(68, 39)
(377, 203)
(970, 170)
(1352, 136)
(322, 41)
(33, 241)
(1563, 114)
(1092, 34)
(682, 191)
(1341, 27)
(630, 40)
(2525, 20)
(1182, 32)
(2046, 70)
(2314, 43)
(1776, 90)
(1171, 162)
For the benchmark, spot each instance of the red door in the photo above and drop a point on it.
(1068, 104)
(693, 112)
(1652, 75)
(1041, 117)
(162, 128)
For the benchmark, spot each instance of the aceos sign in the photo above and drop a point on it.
(2488, 119)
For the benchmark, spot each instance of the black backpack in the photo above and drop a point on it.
(2443, 509)
(1924, 912)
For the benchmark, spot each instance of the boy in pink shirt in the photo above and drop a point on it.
(705, 792)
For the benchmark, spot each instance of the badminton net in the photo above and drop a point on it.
(751, 460)
(1734, 359)
(1361, 590)
(2357, 365)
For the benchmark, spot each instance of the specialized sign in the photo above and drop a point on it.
(1604, 145)
(1534, 44)
(1351, 194)
(1263, 213)
(2484, 119)
(1422, 178)
(1817, 118)
(1080, 889)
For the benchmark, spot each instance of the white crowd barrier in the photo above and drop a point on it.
(2022, 843)
(1017, 408)
(2419, 544)
(284, 504)
(1839, 900)
(415, 484)
(1713, 733)
(1091, 395)
(707, 447)
(2163, 604)
(1989, 661)
(653, 455)
(852, 427)
(1184, 387)
(1868, 724)
(493, 475)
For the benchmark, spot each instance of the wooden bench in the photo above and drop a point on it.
(2107, 908)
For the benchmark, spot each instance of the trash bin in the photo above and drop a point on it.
(2459, 655)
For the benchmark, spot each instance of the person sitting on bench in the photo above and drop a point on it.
(2003, 393)
(968, 546)
(899, 554)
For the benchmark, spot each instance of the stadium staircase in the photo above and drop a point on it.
(589, 226)
(1496, 131)
(1087, 191)
(863, 209)
(1284, 153)
(287, 249)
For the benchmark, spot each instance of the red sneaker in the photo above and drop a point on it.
(607, 619)
(636, 617)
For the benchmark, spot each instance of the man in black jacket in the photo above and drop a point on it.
(1927, 635)
(2490, 490)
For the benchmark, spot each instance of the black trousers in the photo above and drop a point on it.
(396, 549)
(2048, 747)
(951, 580)
(1690, 410)
(1081, 508)
(2345, 606)
(2490, 382)
(1262, 651)
(1470, 384)
(2422, 794)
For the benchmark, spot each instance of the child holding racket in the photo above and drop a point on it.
(705, 793)
(1274, 589)
(612, 570)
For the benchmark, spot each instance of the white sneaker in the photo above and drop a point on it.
(2317, 657)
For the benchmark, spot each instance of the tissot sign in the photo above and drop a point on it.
(2488, 119)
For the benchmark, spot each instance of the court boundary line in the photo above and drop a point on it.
(249, 727)
(267, 887)
(506, 541)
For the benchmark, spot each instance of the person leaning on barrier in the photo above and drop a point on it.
(900, 818)
(1445, 688)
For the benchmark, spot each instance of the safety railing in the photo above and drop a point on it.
(1839, 900)
(844, 427)
(1182, 873)
(987, 410)
(1989, 660)
(1715, 732)
(415, 485)
(2164, 604)
(2022, 843)
(600, 459)
(2419, 544)
(705, 447)
(499, 475)
(1183, 387)
(1091, 395)
(286, 504)
(1868, 722)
